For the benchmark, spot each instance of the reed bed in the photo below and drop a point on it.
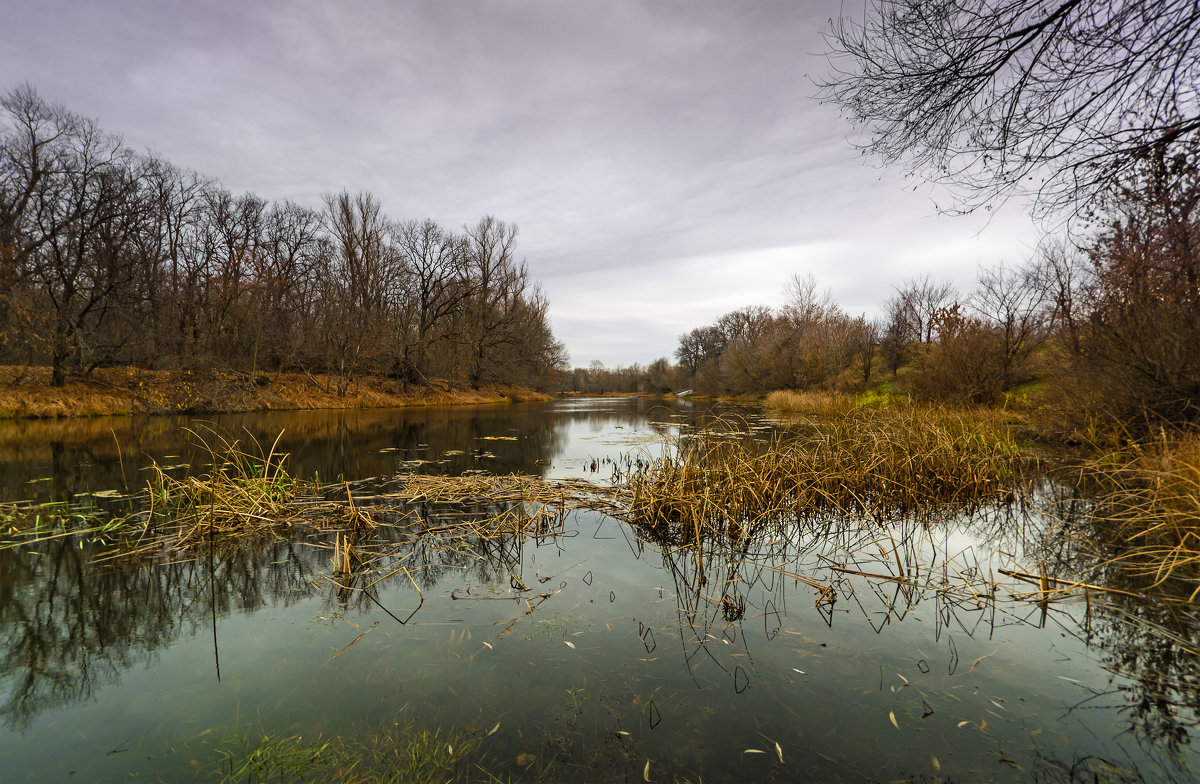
(874, 462)
(1148, 511)
(247, 490)
(818, 403)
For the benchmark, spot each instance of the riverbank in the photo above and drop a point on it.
(26, 393)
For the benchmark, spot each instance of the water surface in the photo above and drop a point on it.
(596, 651)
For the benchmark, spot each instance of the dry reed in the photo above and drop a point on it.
(246, 490)
(1148, 511)
(878, 462)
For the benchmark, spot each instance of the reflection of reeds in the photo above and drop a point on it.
(1149, 509)
(902, 460)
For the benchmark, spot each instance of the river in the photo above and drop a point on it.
(604, 652)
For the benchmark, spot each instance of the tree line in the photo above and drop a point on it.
(109, 256)
(1104, 325)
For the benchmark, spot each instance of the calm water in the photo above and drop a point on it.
(730, 667)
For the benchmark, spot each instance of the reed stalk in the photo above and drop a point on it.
(866, 461)
(1148, 511)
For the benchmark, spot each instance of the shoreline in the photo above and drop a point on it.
(26, 393)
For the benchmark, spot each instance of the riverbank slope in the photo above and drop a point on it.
(25, 392)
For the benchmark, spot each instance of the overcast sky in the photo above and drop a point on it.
(666, 162)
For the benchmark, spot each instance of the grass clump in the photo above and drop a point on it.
(391, 755)
(1148, 509)
(246, 490)
(818, 403)
(879, 461)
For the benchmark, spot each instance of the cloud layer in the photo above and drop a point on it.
(665, 161)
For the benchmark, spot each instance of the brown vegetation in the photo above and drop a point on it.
(112, 257)
(877, 461)
(1147, 515)
(27, 393)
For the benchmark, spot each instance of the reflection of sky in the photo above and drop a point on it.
(963, 683)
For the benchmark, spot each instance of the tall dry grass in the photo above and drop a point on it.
(248, 489)
(1148, 510)
(810, 402)
(903, 460)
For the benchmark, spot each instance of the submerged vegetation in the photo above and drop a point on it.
(391, 754)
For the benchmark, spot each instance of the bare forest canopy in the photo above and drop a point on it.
(1064, 100)
(112, 257)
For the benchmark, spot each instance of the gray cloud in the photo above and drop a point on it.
(665, 161)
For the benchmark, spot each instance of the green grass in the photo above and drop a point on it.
(395, 754)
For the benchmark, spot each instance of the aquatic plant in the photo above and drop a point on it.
(877, 462)
(1147, 514)
(391, 754)
(246, 489)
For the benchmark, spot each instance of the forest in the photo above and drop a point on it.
(115, 257)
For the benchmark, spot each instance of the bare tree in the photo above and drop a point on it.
(1013, 302)
(1058, 98)
(68, 216)
(922, 300)
(498, 282)
(438, 282)
(356, 279)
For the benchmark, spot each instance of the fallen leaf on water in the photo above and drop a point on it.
(892, 716)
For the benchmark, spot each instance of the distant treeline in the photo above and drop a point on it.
(108, 256)
(1107, 325)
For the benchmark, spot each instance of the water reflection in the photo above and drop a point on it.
(817, 628)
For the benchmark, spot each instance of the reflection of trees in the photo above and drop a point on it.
(69, 625)
(353, 444)
(73, 618)
(884, 572)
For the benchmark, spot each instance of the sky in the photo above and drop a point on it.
(665, 162)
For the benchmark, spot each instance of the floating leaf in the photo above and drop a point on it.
(892, 716)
